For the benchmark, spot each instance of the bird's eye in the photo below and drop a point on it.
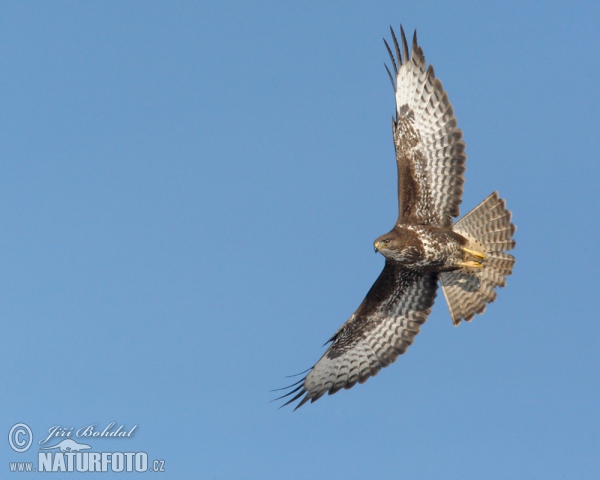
(386, 241)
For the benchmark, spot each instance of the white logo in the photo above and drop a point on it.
(15, 441)
(68, 445)
(64, 454)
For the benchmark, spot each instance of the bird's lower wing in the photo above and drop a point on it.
(382, 328)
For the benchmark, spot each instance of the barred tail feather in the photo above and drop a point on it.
(489, 229)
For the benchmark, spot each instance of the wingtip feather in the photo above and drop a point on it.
(404, 44)
(389, 50)
(400, 62)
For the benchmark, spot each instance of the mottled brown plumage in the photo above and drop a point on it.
(468, 259)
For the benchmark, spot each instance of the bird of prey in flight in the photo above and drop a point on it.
(467, 258)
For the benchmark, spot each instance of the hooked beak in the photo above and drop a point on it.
(377, 246)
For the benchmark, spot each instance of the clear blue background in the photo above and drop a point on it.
(189, 194)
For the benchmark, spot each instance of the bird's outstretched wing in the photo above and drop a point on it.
(382, 328)
(429, 150)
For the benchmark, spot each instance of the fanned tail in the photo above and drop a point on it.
(489, 229)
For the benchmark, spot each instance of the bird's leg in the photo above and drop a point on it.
(469, 264)
(476, 254)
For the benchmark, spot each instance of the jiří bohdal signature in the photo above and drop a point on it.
(88, 431)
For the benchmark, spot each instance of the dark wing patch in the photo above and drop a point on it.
(382, 328)
(429, 150)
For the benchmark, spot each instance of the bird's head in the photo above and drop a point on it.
(394, 245)
(388, 244)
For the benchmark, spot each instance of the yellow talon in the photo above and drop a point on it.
(470, 264)
(475, 253)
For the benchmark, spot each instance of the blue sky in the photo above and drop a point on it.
(189, 194)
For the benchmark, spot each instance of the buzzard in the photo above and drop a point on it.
(467, 258)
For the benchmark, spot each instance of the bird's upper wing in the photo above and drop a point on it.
(382, 328)
(429, 150)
